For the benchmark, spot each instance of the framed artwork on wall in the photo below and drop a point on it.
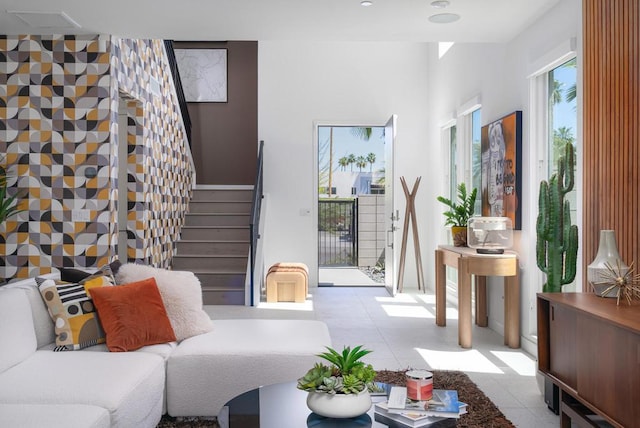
(501, 147)
(204, 74)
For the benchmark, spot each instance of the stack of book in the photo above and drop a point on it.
(441, 411)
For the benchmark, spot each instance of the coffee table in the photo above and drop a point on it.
(284, 406)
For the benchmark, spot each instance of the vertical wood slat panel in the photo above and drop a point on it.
(611, 91)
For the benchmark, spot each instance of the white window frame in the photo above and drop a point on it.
(465, 135)
(445, 140)
(539, 164)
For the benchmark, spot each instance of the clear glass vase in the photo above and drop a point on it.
(607, 254)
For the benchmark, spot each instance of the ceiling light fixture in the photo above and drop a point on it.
(366, 3)
(44, 19)
(440, 4)
(444, 18)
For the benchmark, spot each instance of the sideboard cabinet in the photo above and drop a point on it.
(590, 348)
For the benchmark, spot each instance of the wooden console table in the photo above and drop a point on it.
(468, 263)
(590, 348)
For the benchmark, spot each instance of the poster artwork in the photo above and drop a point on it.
(501, 146)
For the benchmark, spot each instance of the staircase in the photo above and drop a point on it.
(215, 243)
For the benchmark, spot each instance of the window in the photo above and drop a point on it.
(562, 121)
(553, 123)
(453, 163)
(450, 137)
(476, 158)
(469, 161)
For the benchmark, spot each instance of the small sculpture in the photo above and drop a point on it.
(627, 284)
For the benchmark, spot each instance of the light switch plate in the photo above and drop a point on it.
(80, 215)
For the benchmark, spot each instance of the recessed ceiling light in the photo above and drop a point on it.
(440, 4)
(366, 3)
(45, 19)
(444, 18)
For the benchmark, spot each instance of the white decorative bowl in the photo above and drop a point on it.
(339, 405)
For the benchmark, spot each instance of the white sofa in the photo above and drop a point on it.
(97, 388)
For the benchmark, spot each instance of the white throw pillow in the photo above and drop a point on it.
(181, 294)
(17, 336)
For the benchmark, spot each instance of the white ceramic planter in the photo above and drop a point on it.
(339, 405)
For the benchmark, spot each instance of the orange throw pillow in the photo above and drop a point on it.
(132, 315)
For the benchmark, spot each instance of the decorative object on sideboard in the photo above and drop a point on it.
(490, 235)
(557, 238)
(459, 213)
(620, 281)
(598, 272)
(340, 390)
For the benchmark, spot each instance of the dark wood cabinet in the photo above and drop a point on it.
(590, 348)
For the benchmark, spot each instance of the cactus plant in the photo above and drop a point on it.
(557, 238)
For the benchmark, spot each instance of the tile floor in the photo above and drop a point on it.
(402, 333)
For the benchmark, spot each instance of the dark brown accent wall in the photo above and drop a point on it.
(611, 125)
(225, 135)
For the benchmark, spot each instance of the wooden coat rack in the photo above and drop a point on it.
(410, 215)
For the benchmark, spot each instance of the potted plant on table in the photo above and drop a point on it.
(340, 389)
(459, 213)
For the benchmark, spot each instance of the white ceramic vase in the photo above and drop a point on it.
(339, 405)
(607, 254)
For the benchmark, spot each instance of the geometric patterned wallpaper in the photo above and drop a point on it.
(159, 170)
(59, 100)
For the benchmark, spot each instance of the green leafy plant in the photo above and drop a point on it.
(8, 204)
(346, 374)
(459, 214)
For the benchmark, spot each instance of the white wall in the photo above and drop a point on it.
(356, 83)
(498, 76)
(363, 84)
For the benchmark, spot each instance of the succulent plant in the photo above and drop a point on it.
(331, 385)
(351, 384)
(314, 378)
(346, 374)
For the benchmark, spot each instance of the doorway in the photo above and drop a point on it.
(352, 240)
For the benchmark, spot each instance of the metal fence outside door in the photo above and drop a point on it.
(337, 232)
